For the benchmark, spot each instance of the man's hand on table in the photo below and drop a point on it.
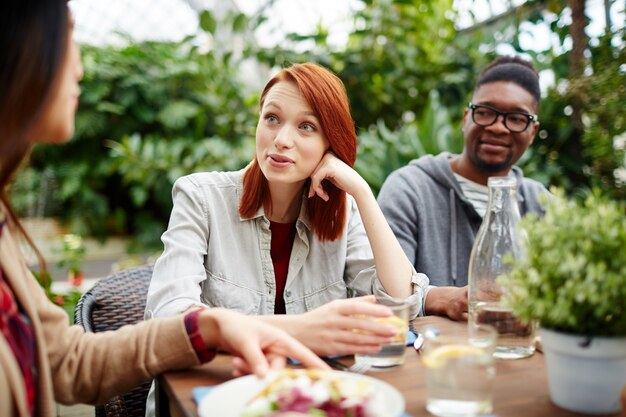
(447, 301)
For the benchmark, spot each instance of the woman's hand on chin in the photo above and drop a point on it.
(340, 174)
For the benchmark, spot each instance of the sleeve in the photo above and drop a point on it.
(400, 204)
(179, 271)
(360, 272)
(93, 367)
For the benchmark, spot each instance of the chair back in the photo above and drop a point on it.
(113, 302)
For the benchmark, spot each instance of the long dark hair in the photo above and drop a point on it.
(33, 38)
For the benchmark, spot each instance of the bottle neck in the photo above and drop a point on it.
(502, 198)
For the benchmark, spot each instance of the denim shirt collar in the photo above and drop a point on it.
(303, 217)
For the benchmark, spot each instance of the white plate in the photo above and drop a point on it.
(230, 398)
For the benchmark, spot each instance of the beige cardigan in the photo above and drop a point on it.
(74, 366)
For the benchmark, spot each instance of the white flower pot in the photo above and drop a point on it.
(585, 374)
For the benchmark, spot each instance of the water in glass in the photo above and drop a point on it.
(459, 375)
(392, 354)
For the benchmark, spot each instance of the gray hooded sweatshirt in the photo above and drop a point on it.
(434, 222)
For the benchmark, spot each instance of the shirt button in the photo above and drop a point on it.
(287, 294)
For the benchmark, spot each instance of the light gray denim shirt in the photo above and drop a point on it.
(216, 258)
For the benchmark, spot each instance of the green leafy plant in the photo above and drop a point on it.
(67, 300)
(386, 66)
(149, 113)
(382, 150)
(604, 96)
(574, 277)
(153, 111)
(72, 255)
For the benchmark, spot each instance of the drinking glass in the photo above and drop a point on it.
(390, 355)
(460, 370)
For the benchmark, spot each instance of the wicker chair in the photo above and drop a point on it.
(113, 302)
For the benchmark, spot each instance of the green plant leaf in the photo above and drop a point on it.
(176, 114)
(574, 279)
(208, 22)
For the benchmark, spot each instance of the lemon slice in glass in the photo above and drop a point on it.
(438, 357)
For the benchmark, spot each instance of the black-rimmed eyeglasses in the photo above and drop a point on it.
(515, 121)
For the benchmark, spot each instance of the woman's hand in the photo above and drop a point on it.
(257, 346)
(393, 268)
(339, 173)
(336, 328)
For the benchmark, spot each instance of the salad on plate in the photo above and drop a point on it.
(316, 393)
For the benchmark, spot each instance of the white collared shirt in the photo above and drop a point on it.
(214, 257)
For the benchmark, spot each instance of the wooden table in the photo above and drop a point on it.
(521, 388)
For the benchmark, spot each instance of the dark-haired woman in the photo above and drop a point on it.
(294, 232)
(43, 360)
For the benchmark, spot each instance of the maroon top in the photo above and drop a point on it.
(283, 235)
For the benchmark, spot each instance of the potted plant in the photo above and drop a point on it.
(573, 282)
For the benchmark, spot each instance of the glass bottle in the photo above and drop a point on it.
(497, 239)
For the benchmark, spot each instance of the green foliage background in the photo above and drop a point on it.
(154, 111)
(149, 113)
(574, 278)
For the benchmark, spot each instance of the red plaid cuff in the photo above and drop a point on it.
(193, 331)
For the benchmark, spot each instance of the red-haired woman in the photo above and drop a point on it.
(295, 230)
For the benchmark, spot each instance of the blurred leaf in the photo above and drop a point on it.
(208, 22)
(176, 114)
(240, 22)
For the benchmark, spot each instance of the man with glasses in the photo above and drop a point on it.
(436, 203)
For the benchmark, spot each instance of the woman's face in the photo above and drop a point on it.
(56, 124)
(289, 138)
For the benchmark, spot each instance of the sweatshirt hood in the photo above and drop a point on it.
(438, 168)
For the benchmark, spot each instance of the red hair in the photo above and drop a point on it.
(326, 95)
